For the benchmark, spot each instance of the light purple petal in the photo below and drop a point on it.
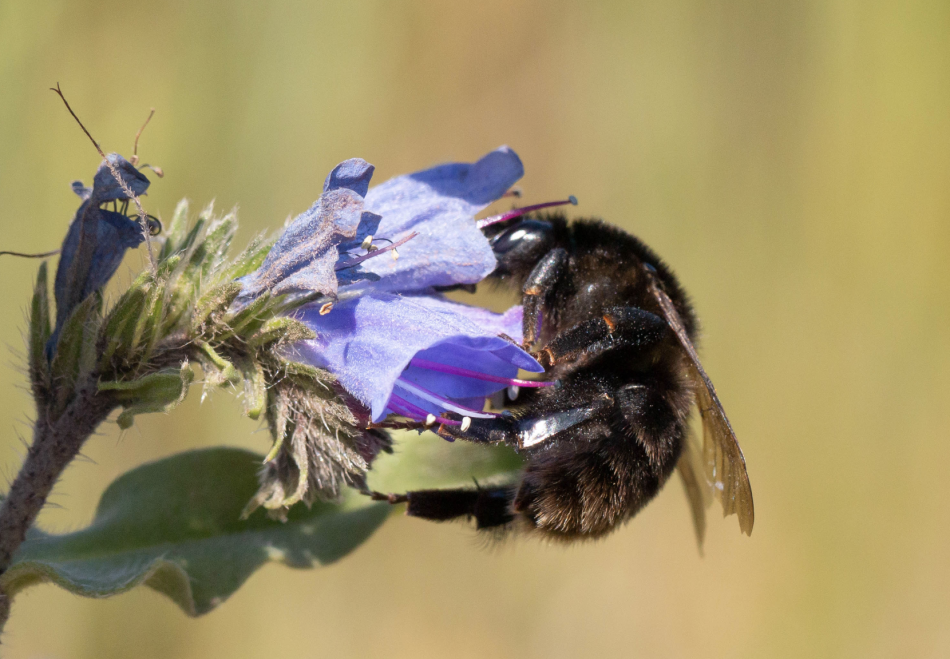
(305, 257)
(81, 190)
(85, 265)
(353, 174)
(369, 341)
(440, 204)
(106, 188)
(493, 323)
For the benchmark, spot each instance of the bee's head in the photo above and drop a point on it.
(522, 244)
(518, 240)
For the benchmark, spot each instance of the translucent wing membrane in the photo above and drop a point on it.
(724, 463)
(698, 488)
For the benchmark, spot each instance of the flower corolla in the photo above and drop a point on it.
(97, 238)
(380, 256)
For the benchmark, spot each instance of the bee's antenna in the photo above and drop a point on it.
(518, 212)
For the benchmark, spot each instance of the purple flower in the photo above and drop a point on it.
(416, 355)
(97, 238)
(431, 213)
(395, 344)
(440, 204)
(306, 257)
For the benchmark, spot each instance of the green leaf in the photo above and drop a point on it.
(193, 236)
(284, 329)
(249, 260)
(216, 243)
(252, 317)
(255, 387)
(155, 392)
(75, 347)
(217, 299)
(40, 331)
(147, 329)
(167, 266)
(119, 328)
(175, 526)
(176, 231)
(193, 251)
(219, 371)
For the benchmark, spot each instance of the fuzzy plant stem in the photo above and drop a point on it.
(55, 444)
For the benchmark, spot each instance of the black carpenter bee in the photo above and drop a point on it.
(612, 326)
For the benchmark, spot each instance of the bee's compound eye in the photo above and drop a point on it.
(523, 236)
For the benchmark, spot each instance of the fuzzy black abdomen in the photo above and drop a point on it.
(600, 473)
(585, 493)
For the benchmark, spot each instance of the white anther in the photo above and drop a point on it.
(395, 255)
(513, 391)
(430, 420)
(367, 242)
(466, 423)
(326, 308)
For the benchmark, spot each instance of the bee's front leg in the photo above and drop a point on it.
(536, 290)
(619, 327)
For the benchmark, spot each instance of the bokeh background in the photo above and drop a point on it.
(790, 160)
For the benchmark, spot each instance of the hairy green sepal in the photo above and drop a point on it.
(156, 392)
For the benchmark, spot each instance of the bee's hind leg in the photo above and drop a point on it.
(490, 507)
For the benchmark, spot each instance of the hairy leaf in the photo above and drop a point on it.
(250, 259)
(251, 317)
(176, 231)
(75, 347)
(175, 526)
(288, 330)
(218, 299)
(219, 371)
(145, 334)
(216, 243)
(40, 331)
(255, 387)
(119, 327)
(155, 392)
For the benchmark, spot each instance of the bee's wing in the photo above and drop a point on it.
(698, 489)
(724, 462)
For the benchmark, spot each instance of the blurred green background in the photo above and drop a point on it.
(790, 160)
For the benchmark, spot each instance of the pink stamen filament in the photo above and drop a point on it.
(518, 212)
(444, 403)
(404, 408)
(455, 370)
(376, 252)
